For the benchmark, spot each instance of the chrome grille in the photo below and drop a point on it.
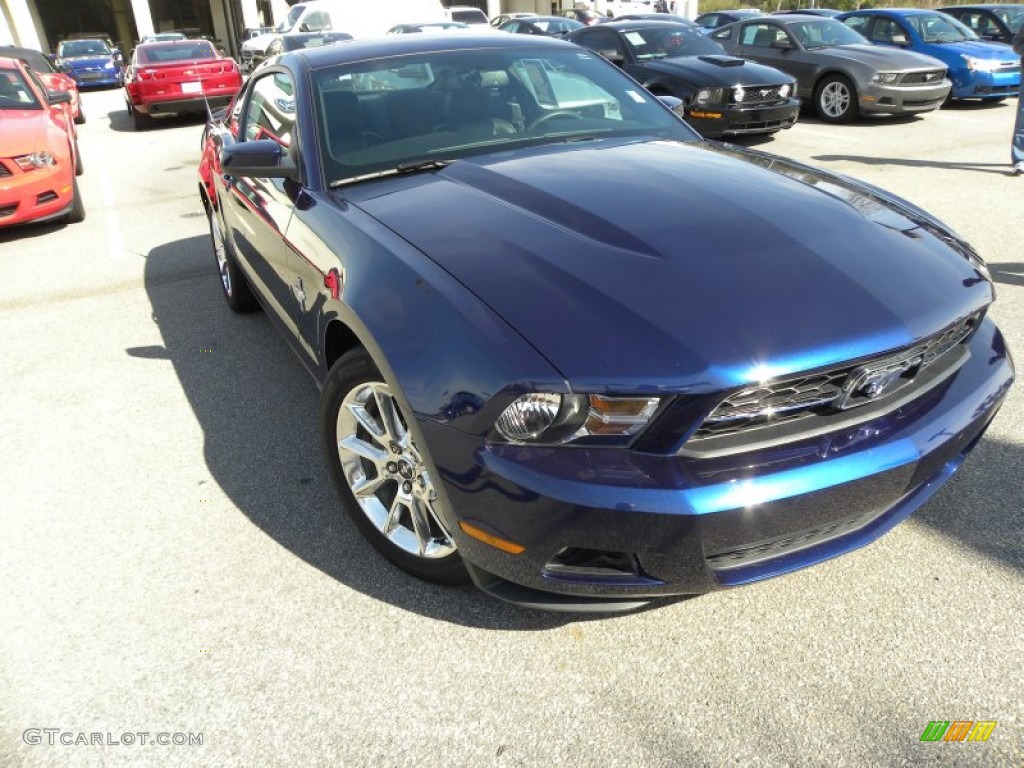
(930, 77)
(756, 94)
(841, 388)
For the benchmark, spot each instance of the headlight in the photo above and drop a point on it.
(786, 90)
(885, 77)
(708, 96)
(738, 92)
(548, 418)
(982, 65)
(35, 160)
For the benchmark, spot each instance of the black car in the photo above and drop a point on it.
(995, 22)
(550, 26)
(722, 95)
(709, 21)
(657, 17)
(298, 40)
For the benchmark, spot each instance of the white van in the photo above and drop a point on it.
(360, 18)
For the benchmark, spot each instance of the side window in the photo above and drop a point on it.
(602, 41)
(859, 24)
(317, 21)
(760, 35)
(887, 31)
(710, 21)
(270, 113)
(721, 34)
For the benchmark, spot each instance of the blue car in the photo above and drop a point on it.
(977, 68)
(90, 62)
(572, 351)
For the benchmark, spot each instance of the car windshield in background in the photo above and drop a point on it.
(15, 93)
(1011, 17)
(297, 42)
(939, 28)
(164, 53)
(74, 48)
(821, 33)
(663, 42)
(484, 100)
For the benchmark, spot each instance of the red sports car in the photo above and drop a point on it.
(176, 77)
(49, 75)
(38, 151)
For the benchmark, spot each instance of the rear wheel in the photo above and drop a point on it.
(237, 292)
(381, 473)
(77, 212)
(835, 100)
(140, 122)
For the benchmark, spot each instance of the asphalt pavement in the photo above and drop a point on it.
(174, 565)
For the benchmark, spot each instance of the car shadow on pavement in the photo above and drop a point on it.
(1002, 169)
(121, 122)
(31, 229)
(1007, 272)
(257, 408)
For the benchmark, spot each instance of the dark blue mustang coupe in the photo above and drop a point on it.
(570, 350)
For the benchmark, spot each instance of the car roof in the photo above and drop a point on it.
(398, 45)
(646, 24)
(897, 11)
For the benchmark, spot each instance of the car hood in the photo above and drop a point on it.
(681, 267)
(260, 43)
(879, 57)
(719, 70)
(22, 131)
(975, 48)
(81, 62)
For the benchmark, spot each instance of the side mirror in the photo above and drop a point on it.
(783, 44)
(264, 158)
(58, 97)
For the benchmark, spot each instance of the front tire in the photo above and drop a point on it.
(381, 474)
(77, 212)
(835, 100)
(237, 293)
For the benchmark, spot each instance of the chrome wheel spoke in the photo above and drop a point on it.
(389, 417)
(394, 516)
(362, 448)
(368, 486)
(376, 429)
(420, 524)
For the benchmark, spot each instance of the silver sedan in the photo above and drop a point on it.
(837, 69)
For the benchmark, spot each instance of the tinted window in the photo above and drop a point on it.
(662, 42)
(824, 32)
(83, 48)
(939, 28)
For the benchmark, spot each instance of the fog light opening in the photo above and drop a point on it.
(579, 561)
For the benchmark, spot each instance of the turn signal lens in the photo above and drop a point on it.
(619, 415)
(495, 541)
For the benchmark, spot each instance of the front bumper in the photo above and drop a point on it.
(97, 77)
(37, 195)
(608, 529)
(985, 85)
(734, 119)
(897, 99)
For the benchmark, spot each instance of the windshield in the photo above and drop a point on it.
(174, 52)
(15, 92)
(377, 116)
(83, 48)
(820, 33)
(939, 28)
(291, 19)
(1011, 17)
(664, 41)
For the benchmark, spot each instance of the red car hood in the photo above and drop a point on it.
(22, 131)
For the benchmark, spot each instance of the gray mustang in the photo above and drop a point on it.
(837, 69)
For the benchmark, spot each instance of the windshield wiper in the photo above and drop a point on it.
(422, 165)
(411, 167)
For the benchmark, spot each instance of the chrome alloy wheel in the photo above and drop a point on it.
(835, 99)
(387, 474)
(220, 251)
